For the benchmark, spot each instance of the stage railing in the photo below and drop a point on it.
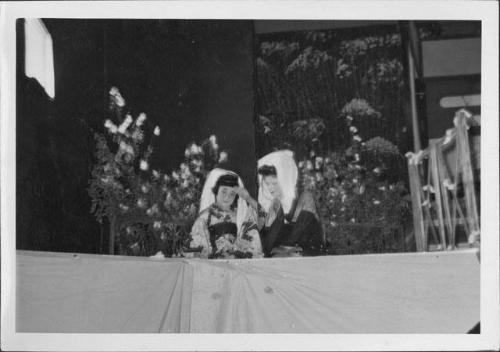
(443, 195)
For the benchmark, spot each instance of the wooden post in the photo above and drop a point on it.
(443, 174)
(416, 201)
(112, 234)
(463, 153)
(434, 168)
(413, 101)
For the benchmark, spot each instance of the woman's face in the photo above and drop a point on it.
(225, 197)
(271, 185)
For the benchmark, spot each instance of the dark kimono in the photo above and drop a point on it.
(299, 228)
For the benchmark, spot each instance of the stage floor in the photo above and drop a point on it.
(435, 292)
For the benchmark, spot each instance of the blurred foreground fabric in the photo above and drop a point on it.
(435, 292)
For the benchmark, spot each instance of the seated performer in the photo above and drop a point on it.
(286, 220)
(226, 226)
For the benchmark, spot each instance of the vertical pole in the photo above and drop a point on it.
(413, 101)
(433, 164)
(464, 157)
(416, 201)
(112, 234)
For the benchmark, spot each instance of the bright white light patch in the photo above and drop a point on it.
(39, 61)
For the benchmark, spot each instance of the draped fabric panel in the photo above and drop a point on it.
(394, 293)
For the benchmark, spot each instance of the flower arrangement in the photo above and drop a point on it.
(148, 210)
(363, 207)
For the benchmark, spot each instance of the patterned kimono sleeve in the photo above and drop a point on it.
(200, 236)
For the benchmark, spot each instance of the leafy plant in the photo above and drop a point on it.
(362, 206)
(147, 210)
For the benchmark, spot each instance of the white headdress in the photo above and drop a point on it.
(208, 196)
(287, 175)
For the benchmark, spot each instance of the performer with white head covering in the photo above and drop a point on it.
(286, 220)
(226, 226)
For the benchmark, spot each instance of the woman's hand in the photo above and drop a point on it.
(242, 192)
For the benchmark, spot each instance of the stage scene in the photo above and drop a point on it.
(268, 176)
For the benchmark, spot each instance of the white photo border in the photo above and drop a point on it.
(486, 11)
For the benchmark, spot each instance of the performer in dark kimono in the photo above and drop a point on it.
(288, 223)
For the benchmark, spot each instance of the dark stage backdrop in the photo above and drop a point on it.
(192, 78)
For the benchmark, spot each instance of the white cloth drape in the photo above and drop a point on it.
(208, 196)
(39, 56)
(287, 175)
(436, 292)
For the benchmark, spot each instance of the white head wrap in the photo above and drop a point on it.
(208, 196)
(287, 175)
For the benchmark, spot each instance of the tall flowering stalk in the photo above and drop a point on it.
(148, 210)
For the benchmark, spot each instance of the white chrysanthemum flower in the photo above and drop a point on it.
(140, 119)
(175, 175)
(156, 131)
(377, 170)
(119, 101)
(123, 146)
(112, 128)
(376, 202)
(157, 225)
(156, 174)
(114, 91)
(381, 188)
(343, 199)
(187, 152)
(223, 157)
(125, 124)
(145, 188)
(309, 165)
(357, 138)
(357, 157)
(141, 203)
(319, 162)
(352, 220)
(149, 212)
(333, 224)
(213, 139)
(195, 149)
(301, 164)
(108, 123)
(144, 165)
(349, 117)
(353, 129)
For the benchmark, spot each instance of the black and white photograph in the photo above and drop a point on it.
(215, 175)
